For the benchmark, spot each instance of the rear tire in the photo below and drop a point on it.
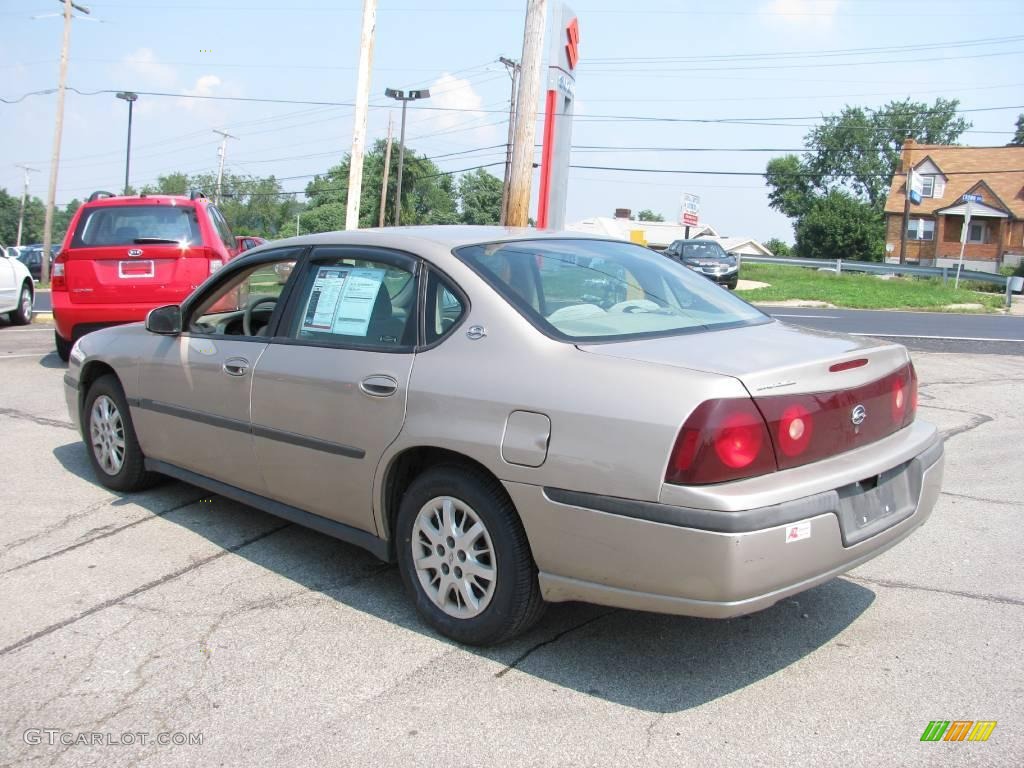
(23, 314)
(497, 596)
(114, 450)
(63, 347)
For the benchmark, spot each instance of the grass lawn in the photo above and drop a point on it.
(859, 291)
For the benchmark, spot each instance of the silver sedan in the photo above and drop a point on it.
(519, 418)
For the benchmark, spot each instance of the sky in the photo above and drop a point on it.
(772, 66)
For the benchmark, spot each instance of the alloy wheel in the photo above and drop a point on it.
(106, 431)
(454, 557)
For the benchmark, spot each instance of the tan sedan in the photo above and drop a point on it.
(517, 418)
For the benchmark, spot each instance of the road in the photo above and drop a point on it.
(177, 611)
(922, 331)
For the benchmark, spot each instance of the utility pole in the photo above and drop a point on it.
(355, 165)
(521, 175)
(513, 67)
(384, 182)
(222, 153)
(51, 195)
(131, 98)
(401, 96)
(24, 197)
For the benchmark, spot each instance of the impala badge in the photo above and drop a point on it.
(858, 415)
(134, 251)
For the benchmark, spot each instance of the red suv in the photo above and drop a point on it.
(123, 256)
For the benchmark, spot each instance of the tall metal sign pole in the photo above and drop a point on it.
(969, 201)
(51, 194)
(521, 176)
(563, 56)
(355, 165)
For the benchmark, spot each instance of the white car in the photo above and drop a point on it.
(16, 289)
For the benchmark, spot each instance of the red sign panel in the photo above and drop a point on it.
(690, 219)
(572, 47)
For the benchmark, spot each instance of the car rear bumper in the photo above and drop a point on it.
(713, 564)
(75, 320)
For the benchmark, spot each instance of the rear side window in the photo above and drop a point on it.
(137, 224)
(444, 308)
(223, 230)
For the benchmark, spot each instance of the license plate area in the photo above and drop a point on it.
(128, 270)
(874, 504)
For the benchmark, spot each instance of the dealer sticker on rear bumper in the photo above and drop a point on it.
(798, 531)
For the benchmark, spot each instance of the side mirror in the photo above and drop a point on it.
(164, 320)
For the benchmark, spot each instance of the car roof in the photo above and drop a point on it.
(443, 235)
(120, 200)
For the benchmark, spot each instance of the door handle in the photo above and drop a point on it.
(236, 366)
(378, 386)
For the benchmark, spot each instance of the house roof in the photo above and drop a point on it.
(741, 245)
(1000, 168)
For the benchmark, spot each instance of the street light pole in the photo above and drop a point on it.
(131, 98)
(401, 96)
(24, 197)
(513, 67)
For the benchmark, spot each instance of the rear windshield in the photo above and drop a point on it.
(703, 251)
(596, 290)
(136, 224)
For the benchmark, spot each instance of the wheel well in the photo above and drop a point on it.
(409, 465)
(27, 283)
(90, 373)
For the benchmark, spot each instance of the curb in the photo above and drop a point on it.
(45, 317)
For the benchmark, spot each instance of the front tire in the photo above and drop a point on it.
(23, 314)
(114, 450)
(464, 557)
(63, 347)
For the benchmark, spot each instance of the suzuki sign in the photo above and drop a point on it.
(563, 56)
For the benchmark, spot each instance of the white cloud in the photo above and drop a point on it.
(803, 11)
(464, 121)
(143, 65)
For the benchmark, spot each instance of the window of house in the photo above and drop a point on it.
(928, 186)
(921, 229)
(976, 233)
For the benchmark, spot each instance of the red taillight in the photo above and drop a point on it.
(57, 279)
(722, 440)
(912, 410)
(899, 397)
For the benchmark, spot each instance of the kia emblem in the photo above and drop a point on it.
(134, 251)
(858, 415)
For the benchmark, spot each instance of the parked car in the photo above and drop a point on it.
(245, 242)
(17, 292)
(708, 258)
(122, 256)
(440, 397)
(32, 258)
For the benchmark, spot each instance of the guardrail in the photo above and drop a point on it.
(877, 267)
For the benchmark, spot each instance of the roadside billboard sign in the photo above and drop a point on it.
(915, 187)
(689, 210)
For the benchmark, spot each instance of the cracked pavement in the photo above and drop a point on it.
(175, 610)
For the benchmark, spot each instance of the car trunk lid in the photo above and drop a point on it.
(148, 272)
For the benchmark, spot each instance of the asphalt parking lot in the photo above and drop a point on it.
(178, 612)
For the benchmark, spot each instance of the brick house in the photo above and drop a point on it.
(996, 235)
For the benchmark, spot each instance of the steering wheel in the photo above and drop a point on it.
(635, 305)
(247, 317)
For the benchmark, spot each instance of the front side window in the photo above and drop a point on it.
(136, 225)
(596, 290)
(355, 302)
(244, 305)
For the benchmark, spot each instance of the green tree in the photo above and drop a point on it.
(839, 225)
(172, 184)
(648, 215)
(778, 247)
(851, 158)
(1018, 137)
(480, 197)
